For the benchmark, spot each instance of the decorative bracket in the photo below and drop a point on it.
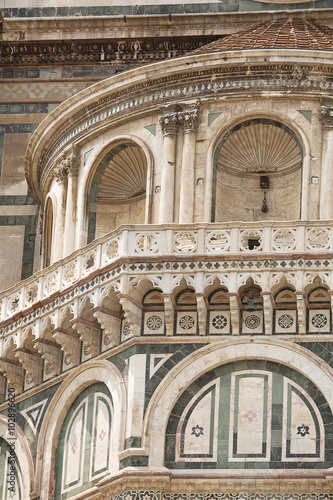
(70, 345)
(110, 323)
(132, 313)
(89, 333)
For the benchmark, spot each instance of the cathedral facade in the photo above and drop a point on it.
(166, 251)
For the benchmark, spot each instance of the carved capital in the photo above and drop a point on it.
(169, 124)
(189, 120)
(72, 162)
(326, 117)
(60, 172)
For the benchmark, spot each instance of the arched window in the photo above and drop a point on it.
(84, 443)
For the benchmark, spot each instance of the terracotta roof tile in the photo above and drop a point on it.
(291, 33)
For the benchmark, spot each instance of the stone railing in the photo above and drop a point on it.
(233, 239)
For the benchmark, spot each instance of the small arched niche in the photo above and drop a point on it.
(257, 173)
(118, 189)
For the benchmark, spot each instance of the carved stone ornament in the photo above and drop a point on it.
(326, 116)
(68, 166)
(60, 172)
(189, 120)
(169, 123)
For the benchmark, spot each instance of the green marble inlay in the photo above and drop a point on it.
(212, 117)
(152, 129)
(306, 114)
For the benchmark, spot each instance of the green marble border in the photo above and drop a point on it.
(223, 372)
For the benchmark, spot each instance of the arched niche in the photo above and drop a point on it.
(257, 173)
(118, 190)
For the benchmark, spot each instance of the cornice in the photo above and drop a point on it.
(184, 25)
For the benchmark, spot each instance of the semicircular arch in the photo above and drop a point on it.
(213, 356)
(80, 378)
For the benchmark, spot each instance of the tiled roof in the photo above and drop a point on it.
(282, 33)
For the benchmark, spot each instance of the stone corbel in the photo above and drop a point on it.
(33, 365)
(234, 312)
(169, 313)
(268, 312)
(89, 333)
(70, 345)
(202, 312)
(110, 323)
(14, 374)
(132, 313)
(51, 354)
(301, 311)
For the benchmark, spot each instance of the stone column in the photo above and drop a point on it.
(72, 164)
(169, 124)
(189, 119)
(60, 173)
(326, 181)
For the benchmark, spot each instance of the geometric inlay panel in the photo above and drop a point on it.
(253, 322)
(186, 323)
(319, 321)
(219, 322)
(285, 321)
(153, 323)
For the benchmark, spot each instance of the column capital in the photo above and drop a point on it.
(189, 120)
(326, 117)
(60, 172)
(169, 123)
(72, 161)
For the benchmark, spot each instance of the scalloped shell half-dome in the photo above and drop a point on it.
(260, 148)
(125, 173)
